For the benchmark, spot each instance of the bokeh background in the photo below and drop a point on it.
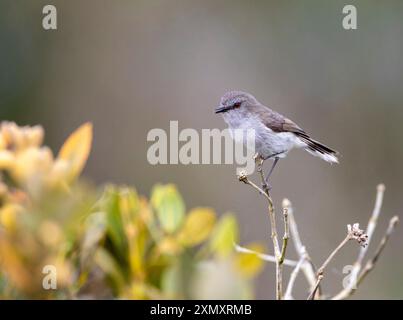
(130, 66)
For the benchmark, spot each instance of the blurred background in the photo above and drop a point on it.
(130, 66)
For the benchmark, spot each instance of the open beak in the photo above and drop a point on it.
(221, 109)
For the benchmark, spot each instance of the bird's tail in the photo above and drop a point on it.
(320, 150)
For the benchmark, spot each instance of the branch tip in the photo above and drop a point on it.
(354, 232)
(380, 187)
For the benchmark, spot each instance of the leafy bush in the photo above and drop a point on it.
(118, 246)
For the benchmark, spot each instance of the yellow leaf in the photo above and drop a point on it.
(6, 159)
(225, 234)
(138, 291)
(169, 246)
(13, 266)
(8, 216)
(31, 166)
(249, 264)
(128, 204)
(35, 135)
(137, 247)
(76, 149)
(197, 227)
(50, 233)
(3, 142)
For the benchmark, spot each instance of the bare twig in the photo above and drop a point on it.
(286, 205)
(322, 268)
(307, 267)
(354, 232)
(272, 217)
(305, 263)
(265, 257)
(316, 286)
(243, 177)
(293, 277)
(271, 211)
(371, 263)
(346, 292)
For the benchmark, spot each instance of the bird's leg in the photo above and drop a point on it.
(259, 162)
(271, 170)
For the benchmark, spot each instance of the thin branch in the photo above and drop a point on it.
(322, 268)
(245, 180)
(315, 287)
(293, 277)
(307, 267)
(346, 292)
(265, 257)
(286, 205)
(371, 263)
(272, 216)
(305, 263)
(243, 177)
(354, 232)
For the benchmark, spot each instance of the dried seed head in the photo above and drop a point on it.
(356, 233)
(242, 176)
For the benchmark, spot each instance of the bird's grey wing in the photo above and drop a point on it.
(278, 123)
(290, 126)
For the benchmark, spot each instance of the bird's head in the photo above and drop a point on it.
(235, 101)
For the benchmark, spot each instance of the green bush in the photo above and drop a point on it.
(119, 246)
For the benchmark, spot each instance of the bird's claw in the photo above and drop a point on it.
(258, 159)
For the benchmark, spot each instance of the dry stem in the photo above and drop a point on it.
(322, 268)
(371, 263)
(277, 251)
(354, 232)
(293, 277)
(265, 257)
(286, 231)
(346, 292)
(305, 263)
(307, 267)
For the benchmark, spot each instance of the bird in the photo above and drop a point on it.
(275, 135)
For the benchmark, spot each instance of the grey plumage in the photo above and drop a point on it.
(276, 135)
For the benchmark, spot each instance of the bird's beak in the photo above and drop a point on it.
(220, 109)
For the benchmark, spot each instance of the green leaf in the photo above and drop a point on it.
(170, 282)
(114, 221)
(169, 206)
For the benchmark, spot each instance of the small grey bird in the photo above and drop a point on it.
(275, 135)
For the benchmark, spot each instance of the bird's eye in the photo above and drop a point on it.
(236, 105)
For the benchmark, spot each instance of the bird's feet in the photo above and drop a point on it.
(258, 159)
